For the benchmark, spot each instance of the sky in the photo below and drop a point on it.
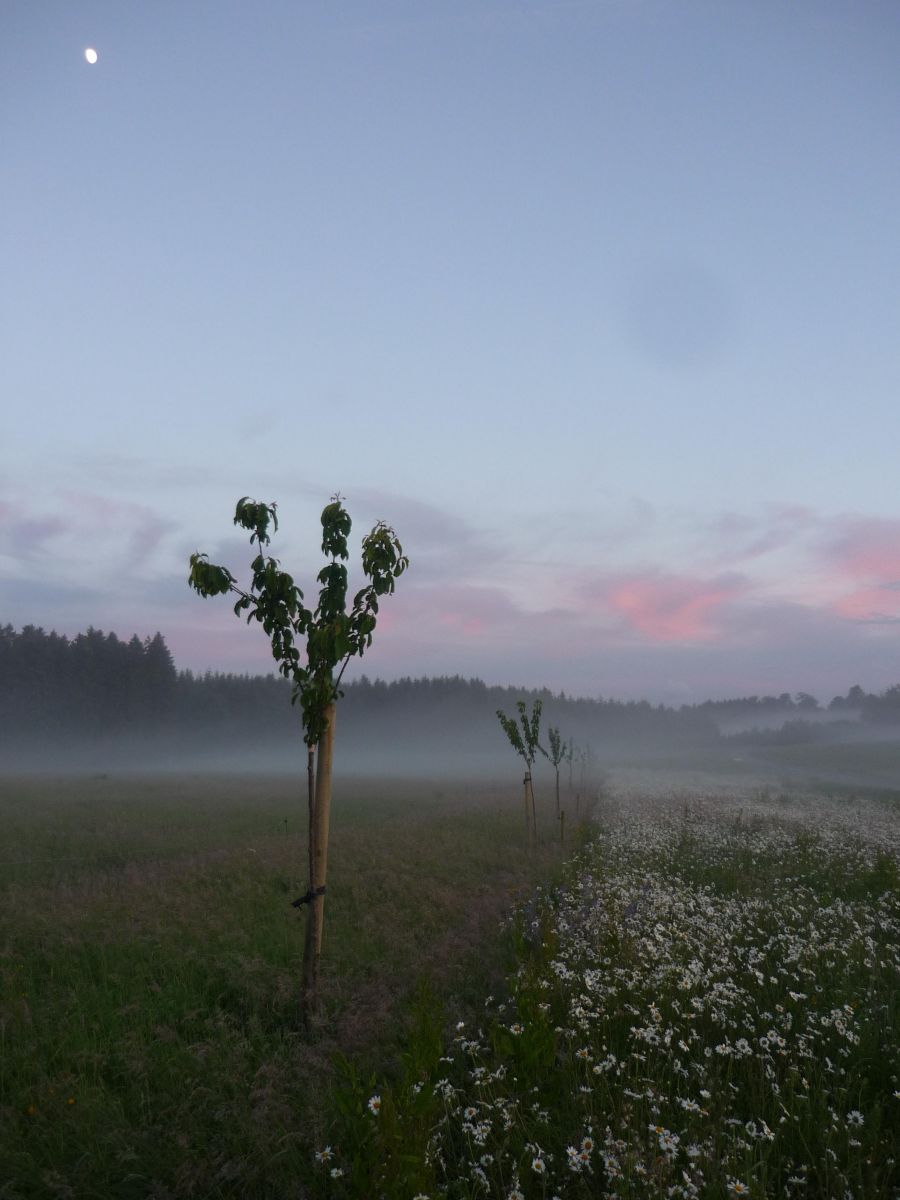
(596, 302)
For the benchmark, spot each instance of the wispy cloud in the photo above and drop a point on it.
(25, 534)
(443, 546)
(674, 604)
(862, 560)
(671, 608)
(741, 537)
(75, 534)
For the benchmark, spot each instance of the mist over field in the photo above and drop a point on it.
(95, 703)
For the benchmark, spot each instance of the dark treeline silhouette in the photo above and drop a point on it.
(746, 707)
(63, 697)
(883, 709)
(784, 721)
(51, 685)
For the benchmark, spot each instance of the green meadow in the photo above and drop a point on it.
(698, 999)
(150, 968)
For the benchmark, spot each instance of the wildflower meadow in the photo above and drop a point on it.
(704, 1007)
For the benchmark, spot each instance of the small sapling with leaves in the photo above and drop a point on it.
(526, 744)
(332, 635)
(558, 752)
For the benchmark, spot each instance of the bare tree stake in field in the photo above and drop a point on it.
(526, 744)
(333, 636)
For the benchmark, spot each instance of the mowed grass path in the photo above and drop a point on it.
(149, 967)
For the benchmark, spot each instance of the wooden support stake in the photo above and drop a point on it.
(324, 759)
(532, 811)
(319, 782)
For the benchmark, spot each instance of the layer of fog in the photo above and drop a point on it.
(453, 747)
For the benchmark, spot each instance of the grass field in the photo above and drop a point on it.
(702, 1002)
(869, 764)
(150, 958)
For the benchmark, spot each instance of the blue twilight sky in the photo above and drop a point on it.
(596, 301)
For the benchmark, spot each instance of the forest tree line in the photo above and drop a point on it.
(55, 690)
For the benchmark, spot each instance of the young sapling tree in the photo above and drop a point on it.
(333, 635)
(526, 744)
(558, 751)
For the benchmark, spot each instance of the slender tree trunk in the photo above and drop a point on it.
(323, 816)
(308, 989)
(529, 804)
(562, 828)
(320, 813)
(527, 782)
(557, 793)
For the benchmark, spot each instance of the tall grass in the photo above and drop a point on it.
(149, 977)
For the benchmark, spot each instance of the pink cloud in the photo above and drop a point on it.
(869, 604)
(459, 622)
(844, 565)
(868, 548)
(864, 564)
(782, 599)
(670, 608)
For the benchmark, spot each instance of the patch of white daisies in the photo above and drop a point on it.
(706, 1009)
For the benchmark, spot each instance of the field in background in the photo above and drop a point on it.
(863, 766)
(150, 966)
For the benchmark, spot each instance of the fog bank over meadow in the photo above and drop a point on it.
(97, 703)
